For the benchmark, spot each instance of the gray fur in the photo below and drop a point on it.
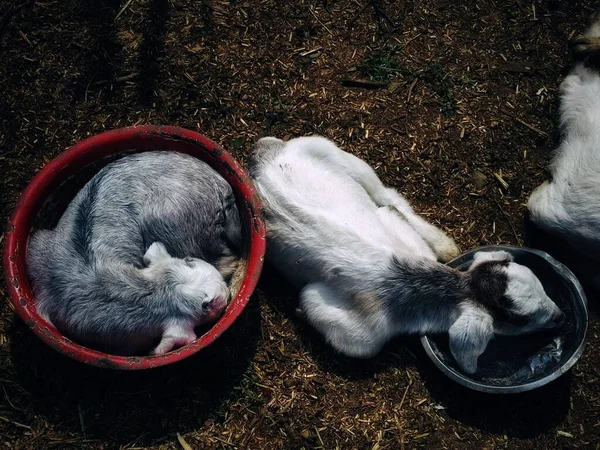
(98, 278)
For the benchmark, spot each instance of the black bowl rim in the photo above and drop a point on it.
(518, 388)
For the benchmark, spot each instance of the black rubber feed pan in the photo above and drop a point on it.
(513, 364)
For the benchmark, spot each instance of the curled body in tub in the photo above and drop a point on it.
(140, 256)
(369, 267)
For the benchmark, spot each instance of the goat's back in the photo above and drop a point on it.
(319, 219)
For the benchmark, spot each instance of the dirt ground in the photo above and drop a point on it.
(452, 101)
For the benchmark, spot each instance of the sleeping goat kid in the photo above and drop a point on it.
(568, 206)
(367, 264)
(117, 272)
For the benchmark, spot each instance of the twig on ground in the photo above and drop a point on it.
(508, 220)
(129, 77)
(366, 84)
(531, 127)
(123, 9)
(10, 12)
(319, 20)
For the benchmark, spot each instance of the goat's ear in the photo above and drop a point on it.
(155, 252)
(496, 256)
(469, 337)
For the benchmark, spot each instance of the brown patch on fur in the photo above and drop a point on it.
(489, 284)
(227, 265)
(367, 303)
(587, 50)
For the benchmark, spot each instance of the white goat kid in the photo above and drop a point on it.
(568, 206)
(367, 264)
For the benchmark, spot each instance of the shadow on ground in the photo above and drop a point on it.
(101, 58)
(525, 415)
(152, 51)
(142, 407)
(586, 269)
(283, 297)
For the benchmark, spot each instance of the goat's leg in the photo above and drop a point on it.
(407, 238)
(330, 312)
(176, 334)
(442, 245)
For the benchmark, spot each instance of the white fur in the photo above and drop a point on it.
(196, 279)
(569, 204)
(367, 264)
(470, 335)
(499, 255)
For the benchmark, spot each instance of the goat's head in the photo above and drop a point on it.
(507, 299)
(202, 288)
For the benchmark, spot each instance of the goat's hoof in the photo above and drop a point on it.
(300, 313)
(447, 251)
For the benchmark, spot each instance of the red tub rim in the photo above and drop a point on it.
(92, 150)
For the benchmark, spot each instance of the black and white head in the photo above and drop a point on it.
(197, 283)
(508, 299)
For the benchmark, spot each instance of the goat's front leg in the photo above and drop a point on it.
(176, 334)
(332, 314)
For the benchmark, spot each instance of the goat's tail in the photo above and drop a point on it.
(264, 150)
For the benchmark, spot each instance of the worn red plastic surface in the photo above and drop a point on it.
(93, 150)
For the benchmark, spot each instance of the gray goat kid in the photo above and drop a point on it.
(367, 264)
(133, 261)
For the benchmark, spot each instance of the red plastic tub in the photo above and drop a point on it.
(94, 151)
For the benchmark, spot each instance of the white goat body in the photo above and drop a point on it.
(367, 264)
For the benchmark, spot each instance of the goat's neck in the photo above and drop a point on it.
(423, 296)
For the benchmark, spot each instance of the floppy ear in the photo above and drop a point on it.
(497, 256)
(155, 252)
(469, 337)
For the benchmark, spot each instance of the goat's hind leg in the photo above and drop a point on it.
(329, 312)
(442, 245)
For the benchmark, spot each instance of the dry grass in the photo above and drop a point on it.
(455, 108)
